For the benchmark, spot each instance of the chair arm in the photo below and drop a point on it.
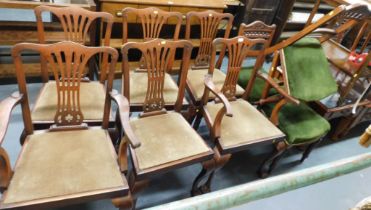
(278, 88)
(6, 107)
(225, 110)
(209, 84)
(124, 112)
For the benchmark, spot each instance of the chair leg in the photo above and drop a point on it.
(309, 149)
(270, 163)
(129, 201)
(202, 183)
(197, 121)
(192, 112)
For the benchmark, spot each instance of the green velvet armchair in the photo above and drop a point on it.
(303, 73)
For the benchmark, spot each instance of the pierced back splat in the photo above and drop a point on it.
(75, 21)
(152, 20)
(157, 55)
(77, 25)
(209, 25)
(238, 49)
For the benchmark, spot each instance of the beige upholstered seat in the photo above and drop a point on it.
(195, 82)
(138, 88)
(64, 163)
(246, 126)
(166, 138)
(92, 99)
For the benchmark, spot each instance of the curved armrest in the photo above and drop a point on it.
(209, 84)
(225, 110)
(124, 108)
(6, 107)
(279, 89)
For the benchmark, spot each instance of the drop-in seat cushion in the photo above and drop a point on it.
(65, 163)
(308, 72)
(300, 123)
(165, 138)
(92, 99)
(196, 84)
(247, 126)
(138, 88)
(259, 83)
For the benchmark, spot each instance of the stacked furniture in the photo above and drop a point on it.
(69, 128)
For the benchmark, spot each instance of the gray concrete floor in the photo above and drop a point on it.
(339, 193)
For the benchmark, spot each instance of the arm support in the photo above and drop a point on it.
(225, 110)
(6, 107)
(124, 108)
(279, 89)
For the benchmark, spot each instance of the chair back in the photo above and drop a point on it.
(156, 54)
(239, 48)
(257, 30)
(210, 23)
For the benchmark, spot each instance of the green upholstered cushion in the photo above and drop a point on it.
(257, 90)
(308, 70)
(300, 123)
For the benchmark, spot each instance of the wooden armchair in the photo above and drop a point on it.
(167, 140)
(152, 21)
(245, 126)
(255, 30)
(70, 162)
(305, 77)
(210, 23)
(352, 79)
(76, 23)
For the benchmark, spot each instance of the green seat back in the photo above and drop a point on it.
(308, 71)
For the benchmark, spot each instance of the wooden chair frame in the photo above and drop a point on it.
(347, 76)
(278, 74)
(239, 48)
(76, 58)
(156, 53)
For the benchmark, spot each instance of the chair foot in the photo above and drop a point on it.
(202, 183)
(270, 163)
(124, 203)
(309, 149)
